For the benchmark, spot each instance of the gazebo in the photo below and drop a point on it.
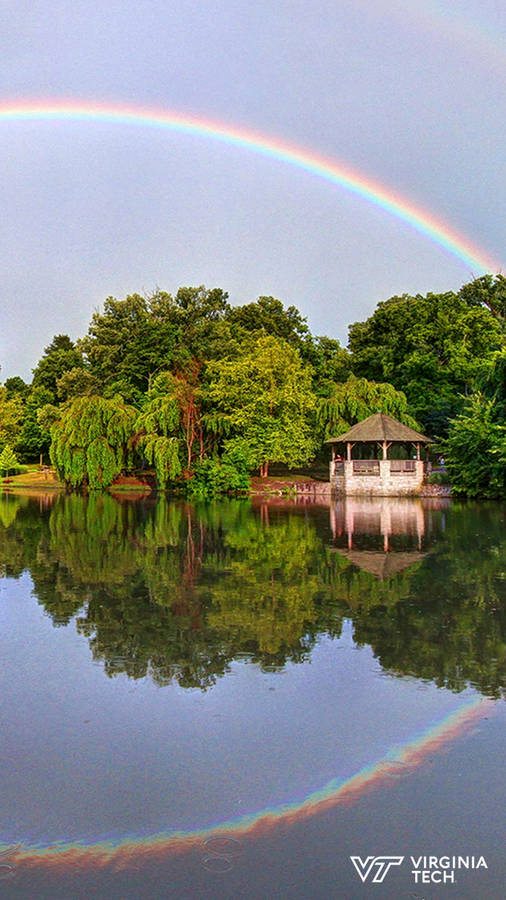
(377, 474)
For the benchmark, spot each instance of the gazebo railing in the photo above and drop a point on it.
(402, 466)
(366, 467)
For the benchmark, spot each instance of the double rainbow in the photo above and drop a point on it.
(330, 170)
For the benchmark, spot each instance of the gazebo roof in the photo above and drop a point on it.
(382, 565)
(380, 427)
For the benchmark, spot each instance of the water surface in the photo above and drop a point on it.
(183, 685)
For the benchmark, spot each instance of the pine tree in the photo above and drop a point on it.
(8, 460)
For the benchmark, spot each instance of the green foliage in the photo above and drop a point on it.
(331, 363)
(475, 451)
(489, 291)
(11, 416)
(432, 348)
(162, 453)
(264, 396)
(77, 382)
(8, 460)
(441, 478)
(492, 381)
(134, 339)
(34, 437)
(161, 412)
(355, 400)
(268, 315)
(157, 429)
(90, 442)
(16, 386)
(59, 357)
(125, 344)
(221, 476)
(47, 415)
(205, 376)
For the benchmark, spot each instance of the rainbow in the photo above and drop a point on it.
(468, 33)
(400, 760)
(330, 170)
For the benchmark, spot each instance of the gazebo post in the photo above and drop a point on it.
(348, 450)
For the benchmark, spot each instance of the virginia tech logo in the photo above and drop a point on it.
(380, 865)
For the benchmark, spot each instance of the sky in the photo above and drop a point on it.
(410, 94)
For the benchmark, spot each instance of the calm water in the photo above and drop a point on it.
(230, 700)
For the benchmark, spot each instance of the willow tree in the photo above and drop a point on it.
(90, 442)
(356, 399)
(158, 428)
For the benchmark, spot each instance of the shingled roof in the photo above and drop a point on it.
(380, 427)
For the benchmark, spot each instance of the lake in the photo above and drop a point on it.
(232, 699)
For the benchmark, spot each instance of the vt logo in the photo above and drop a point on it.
(381, 864)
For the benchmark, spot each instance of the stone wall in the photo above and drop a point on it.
(385, 484)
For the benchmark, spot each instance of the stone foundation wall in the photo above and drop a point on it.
(385, 484)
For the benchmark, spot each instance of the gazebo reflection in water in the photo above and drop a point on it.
(384, 535)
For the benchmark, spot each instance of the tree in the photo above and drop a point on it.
(90, 444)
(34, 439)
(263, 398)
(331, 363)
(269, 316)
(47, 415)
(59, 357)
(158, 428)
(475, 451)
(125, 345)
(136, 339)
(488, 291)
(16, 386)
(8, 460)
(203, 330)
(77, 382)
(492, 381)
(11, 416)
(432, 348)
(356, 399)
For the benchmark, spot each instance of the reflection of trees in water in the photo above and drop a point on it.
(272, 595)
(451, 625)
(20, 533)
(177, 591)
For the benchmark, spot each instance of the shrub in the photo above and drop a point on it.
(475, 450)
(441, 477)
(226, 476)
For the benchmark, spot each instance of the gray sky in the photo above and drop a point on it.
(410, 93)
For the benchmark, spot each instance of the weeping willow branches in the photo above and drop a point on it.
(355, 399)
(91, 441)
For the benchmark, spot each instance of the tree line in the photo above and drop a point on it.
(205, 393)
